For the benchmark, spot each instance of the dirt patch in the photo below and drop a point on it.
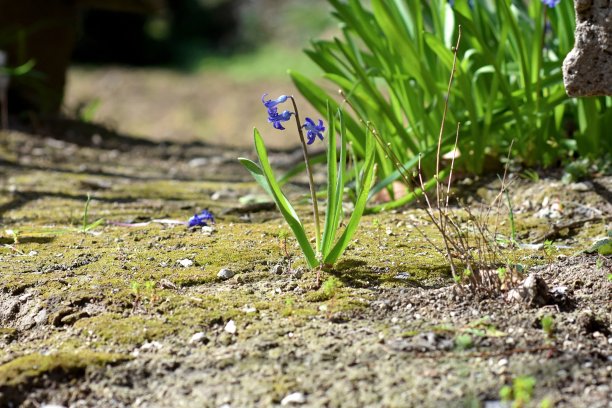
(394, 332)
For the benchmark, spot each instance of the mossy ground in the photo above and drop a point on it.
(74, 299)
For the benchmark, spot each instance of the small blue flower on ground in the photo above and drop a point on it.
(276, 118)
(313, 131)
(551, 3)
(201, 220)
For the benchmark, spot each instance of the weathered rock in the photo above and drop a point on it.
(199, 337)
(295, 398)
(225, 274)
(230, 327)
(533, 292)
(587, 69)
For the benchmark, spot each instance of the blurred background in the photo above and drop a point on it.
(180, 70)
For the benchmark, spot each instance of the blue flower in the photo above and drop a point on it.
(313, 131)
(551, 3)
(273, 102)
(275, 118)
(201, 220)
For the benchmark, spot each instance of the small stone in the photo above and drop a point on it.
(198, 337)
(153, 346)
(225, 274)
(581, 186)
(533, 291)
(166, 284)
(495, 404)
(230, 327)
(296, 398)
(41, 317)
(198, 162)
(207, 230)
(278, 269)
(32, 253)
(249, 309)
(559, 290)
(185, 263)
(503, 362)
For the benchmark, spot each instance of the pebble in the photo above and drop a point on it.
(581, 186)
(154, 345)
(294, 398)
(278, 269)
(41, 317)
(185, 263)
(230, 327)
(249, 309)
(198, 337)
(207, 230)
(225, 274)
(198, 162)
(502, 362)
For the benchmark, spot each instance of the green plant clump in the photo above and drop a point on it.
(520, 393)
(329, 244)
(394, 58)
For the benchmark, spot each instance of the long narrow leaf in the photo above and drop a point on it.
(282, 203)
(360, 204)
(329, 228)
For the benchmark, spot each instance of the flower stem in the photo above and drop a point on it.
(313, 194)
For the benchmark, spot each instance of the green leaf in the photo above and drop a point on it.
(333, 201)
(257, 174)
(602, 247)
(408, 197)
(351, 227)
(94, 224)
(281, 201)
(20, 70)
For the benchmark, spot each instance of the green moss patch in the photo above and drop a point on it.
(27, 369)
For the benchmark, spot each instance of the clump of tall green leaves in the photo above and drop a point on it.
(329, 243)
(394, 57)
